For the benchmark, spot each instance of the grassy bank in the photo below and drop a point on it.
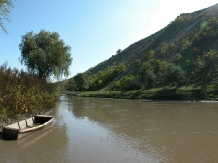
(167, 93)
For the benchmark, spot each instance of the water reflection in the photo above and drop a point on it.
(94, 130)
(121, 117)
(26, 143)
(169, 131)
(43, 145)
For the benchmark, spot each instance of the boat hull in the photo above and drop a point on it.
(26, 127)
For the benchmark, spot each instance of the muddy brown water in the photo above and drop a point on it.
(95, 130)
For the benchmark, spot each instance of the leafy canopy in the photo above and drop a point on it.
(45, 54)
(173, 74)
(81, 81)
(5, 8)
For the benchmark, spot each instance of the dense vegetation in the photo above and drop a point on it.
(183, 54)
(23, 94)
(83, 81)
(150, 74)
(45, 54)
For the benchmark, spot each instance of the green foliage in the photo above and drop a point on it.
(186, 43)
(121, 68)
(149, 74)
(207, 33)
(145, 67)
(99, 82)
(123, 83)
(71, 85)
(104, 77)
(162, 64)
(207, 66)
(81, 81)
(137, 63)
(164, 48)
(150, 78)
(59, 86)
(45, 54)
(177, 57)
(173, 74)
(5, 8)
(159, 65)
(135, 83)
(22, 93)
(172, 46)
(199, 43)
(149, 54)
(116, 85)
(177, 23)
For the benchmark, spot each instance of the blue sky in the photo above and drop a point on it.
(95, 29)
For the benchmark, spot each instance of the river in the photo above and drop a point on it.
(95, 130)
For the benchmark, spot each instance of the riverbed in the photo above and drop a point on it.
(96, 130)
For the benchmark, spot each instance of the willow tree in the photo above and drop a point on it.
(45, 54)
(5, 8)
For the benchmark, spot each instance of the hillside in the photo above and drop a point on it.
(183, 27)
(182, 53)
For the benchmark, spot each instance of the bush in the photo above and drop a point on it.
(150, 78)
(173, 74)
(123, 83)
(22, 93)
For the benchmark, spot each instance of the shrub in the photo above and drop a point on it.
(22, 93)
(172, 74)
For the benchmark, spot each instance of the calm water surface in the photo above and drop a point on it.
(94, 130)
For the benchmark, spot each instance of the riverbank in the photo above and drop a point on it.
(172, 93)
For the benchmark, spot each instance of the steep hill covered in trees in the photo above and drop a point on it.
(183, 53)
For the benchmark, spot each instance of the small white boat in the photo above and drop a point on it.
(25, 127)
